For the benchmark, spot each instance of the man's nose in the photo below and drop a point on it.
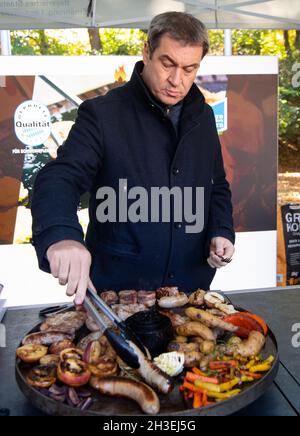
(175, 77)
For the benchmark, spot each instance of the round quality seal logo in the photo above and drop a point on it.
(32, 123)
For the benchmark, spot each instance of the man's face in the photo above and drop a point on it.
(171, 70)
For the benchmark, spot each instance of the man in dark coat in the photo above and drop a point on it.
(153, 138)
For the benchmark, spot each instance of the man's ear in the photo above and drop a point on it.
(146, 53)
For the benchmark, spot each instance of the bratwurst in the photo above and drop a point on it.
(194, 328)
(209, 320)
(154, 376)
(132, 389)
(174, 301)
(249, 347)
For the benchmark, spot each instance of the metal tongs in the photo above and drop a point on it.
(119, 342)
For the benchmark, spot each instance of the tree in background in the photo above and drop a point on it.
(289, 103)
(78, 42)
(95, 40)
(48, 42)
(123, 41)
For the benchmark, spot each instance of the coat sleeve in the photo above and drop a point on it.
(60, 184)
(220, 221)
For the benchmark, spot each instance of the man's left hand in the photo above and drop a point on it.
(219, 247)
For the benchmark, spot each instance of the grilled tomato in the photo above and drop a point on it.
(31, 353)
(73, 372)
(50, 359)
(71, 353)
(259, 320)
(42, 376)
(104, 367)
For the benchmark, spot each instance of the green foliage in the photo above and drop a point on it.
(45, 42)
(258, 42)
(123, 41)
(20, 44)
(289, 101)
(72, 43)
(216, 39)
(246, 42)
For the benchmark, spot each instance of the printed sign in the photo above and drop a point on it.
(220, 111)
(289, 268)
(32, 123)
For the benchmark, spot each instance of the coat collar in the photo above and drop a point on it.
(193, 103)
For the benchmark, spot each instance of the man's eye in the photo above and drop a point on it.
(167, 65)
(189, 70)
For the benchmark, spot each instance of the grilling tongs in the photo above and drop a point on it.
(119, 342)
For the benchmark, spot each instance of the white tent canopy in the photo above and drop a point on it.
(222, 14)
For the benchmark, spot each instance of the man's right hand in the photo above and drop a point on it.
(70, 262)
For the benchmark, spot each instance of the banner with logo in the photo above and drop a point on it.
(39, 100)
(289, 245)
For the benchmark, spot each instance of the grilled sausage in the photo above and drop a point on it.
(209, 320)
(154, 376)
(249, 347)
(194, 328)
(132, 389)
(174, 301)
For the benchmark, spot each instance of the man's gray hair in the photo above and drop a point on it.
(179, 26)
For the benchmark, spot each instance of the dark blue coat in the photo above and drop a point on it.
(126, 135)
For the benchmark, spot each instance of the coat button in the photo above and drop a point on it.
(177, 226)
(175, 171)
(171, 275)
